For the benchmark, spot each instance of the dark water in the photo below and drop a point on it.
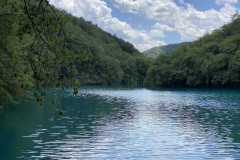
(125, 123)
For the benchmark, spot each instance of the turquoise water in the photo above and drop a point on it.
(124, 122)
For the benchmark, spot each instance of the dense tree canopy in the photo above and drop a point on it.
(41, 46)
(110, 60)
(165, 49)
(211, 61)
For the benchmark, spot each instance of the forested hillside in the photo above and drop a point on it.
(154, 52)
(41, 46)
(211, 61)
(110, 60)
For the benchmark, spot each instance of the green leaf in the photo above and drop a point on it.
(60, 112)
(75, 91)
(54, 102)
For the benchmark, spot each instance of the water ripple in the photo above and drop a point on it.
(139, 123)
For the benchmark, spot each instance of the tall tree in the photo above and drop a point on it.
(32, 46)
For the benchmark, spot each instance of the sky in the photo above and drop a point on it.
(151, 23)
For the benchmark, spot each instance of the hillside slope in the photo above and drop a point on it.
(211, 61)
(110, 59)
(154, 52)
(36, 52)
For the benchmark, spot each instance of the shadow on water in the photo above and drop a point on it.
(15, 122)
(33, 131)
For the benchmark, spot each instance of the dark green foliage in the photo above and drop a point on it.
(32, 49)
(41, 46)
(15, 71)
(211, 61)
(166, 49)
(110, 60)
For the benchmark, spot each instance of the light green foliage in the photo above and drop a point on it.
(211, 61)
(166, 49)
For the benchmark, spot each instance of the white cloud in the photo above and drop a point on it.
(187, 21)
(159, 29)
(157, 33)
(163, 27)
(219, 2)
(98, 12)
(181, 1)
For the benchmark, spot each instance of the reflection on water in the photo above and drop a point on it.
(126, 123)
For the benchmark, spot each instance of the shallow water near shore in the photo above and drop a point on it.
(124, 122)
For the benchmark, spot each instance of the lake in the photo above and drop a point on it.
(124, 122)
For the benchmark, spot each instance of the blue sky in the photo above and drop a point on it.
(151, 23)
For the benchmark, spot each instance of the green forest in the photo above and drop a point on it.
(110, 60)
(41, 46)
(165, 49)
(211, 61)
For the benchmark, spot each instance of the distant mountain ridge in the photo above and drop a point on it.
(154, 52)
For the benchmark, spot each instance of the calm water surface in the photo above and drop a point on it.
(125, 122)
